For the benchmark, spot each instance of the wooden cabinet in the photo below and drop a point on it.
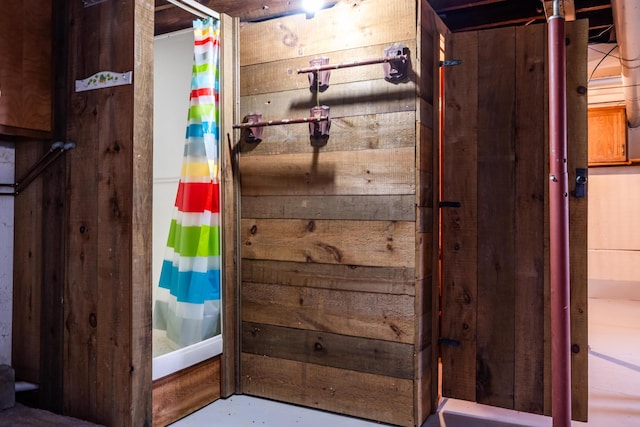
(607, 136)
(25, 68)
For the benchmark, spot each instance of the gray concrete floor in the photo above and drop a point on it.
(614, 389)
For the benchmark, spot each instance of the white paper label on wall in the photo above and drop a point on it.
(104, 79)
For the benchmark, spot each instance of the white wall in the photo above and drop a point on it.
(7, 175)
(614, 195)
(614, 228)
(173, 59)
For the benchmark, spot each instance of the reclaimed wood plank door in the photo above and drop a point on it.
(495, 250)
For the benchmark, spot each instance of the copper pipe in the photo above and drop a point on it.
(280, 122)
(349, 64)
(559, 226)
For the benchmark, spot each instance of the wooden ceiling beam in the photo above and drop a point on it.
(449, 5)
(171, 18)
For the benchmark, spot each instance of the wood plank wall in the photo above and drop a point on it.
(39, 256)
(178, 395)
(495, 247)
(27, 268)
(107, 302)
(336, 259)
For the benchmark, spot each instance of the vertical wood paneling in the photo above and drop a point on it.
(139, 403)
(107, 296)
(529, 220)
(54, 213)
(512, 366)
(577, 136)
(496, 217)
(27, 272)
(230, 381)
(460, 225)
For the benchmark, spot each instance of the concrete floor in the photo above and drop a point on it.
(614, 389)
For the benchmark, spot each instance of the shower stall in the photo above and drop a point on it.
(174, 61)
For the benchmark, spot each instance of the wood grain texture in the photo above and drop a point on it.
(345, 100)
(53, 243)
(332, 241)
(460, 225)
(106, 336)
(607, 135)
(361, 314)
(363, 132)
(512, 212)
(27, 269)
(372, 243)
(296, 36)
(357, 278)
(496, 219)
(279, 76)
(364, 395)
(327, 349)
(577, 34)
(230, 377)
(186, 391)
(141, 218)
(171, 18)
(26, 83)
(380, 172)
(431, 41)
(369, 208)
(530, 141)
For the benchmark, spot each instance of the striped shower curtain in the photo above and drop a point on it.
(188, 302)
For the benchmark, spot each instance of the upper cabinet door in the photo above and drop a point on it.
(607, 136)
(25, 68)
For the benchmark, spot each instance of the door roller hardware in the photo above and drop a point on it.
(581, 183)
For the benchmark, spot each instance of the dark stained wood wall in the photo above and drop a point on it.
(495, 250)
(336, 258)
(107, 310)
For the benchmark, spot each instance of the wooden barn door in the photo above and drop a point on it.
(495, 329)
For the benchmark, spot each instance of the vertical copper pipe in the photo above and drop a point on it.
(559, 225)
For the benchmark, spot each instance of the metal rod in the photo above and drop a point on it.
(559, 226)
(349, 64)
(35, 172)
(58, 145)
(280, 122)
(54, 147)
(57, 148)
(195, 8)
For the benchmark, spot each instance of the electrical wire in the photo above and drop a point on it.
(600, 62)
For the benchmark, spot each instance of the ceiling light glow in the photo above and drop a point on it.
(312, 6)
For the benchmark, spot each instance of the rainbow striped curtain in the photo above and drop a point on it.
(188, 303)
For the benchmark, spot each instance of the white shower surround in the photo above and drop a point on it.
(173, 56)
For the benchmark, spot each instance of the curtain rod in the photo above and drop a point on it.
(195, 8)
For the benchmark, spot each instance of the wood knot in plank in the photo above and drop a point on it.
(466, 298)
(396, 329)
(311, 226)
(254, 229)
(332, 250)
(93, 320)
